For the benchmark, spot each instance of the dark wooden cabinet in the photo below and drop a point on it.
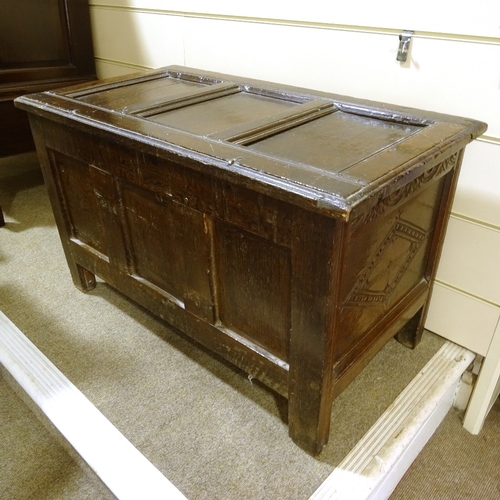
(292, 232)
(44, 44)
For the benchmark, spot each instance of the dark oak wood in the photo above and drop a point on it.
(292, 232)
(43, 45)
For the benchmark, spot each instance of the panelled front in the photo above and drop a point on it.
(227, 266)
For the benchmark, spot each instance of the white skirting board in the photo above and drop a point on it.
(124, 470)
(370, 471)
(377, 463)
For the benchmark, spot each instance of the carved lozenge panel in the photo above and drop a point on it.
(385, 262)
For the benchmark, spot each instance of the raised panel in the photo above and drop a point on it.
(385, 260)
(168, 246)
(328, 147)
(134, 99)
(471, 259)
(222, 113)
(253, 288)
(86, 208)
(461, 318)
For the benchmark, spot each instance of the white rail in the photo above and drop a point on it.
(124, 470)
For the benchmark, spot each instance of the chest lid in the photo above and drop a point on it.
(333, 153)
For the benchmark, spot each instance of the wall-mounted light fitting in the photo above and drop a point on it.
(404, 45)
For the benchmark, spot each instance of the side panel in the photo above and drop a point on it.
(390, 254)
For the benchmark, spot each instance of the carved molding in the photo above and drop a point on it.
(404, 192)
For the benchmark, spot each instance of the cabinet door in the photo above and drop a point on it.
(44, 44)
(44, 40)
(32, 32)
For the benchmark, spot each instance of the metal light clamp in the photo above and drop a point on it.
(404, 45)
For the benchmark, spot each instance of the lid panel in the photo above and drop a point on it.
(223, 113)
(124, 97)
(335, 142)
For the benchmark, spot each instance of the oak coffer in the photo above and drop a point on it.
(290, 231)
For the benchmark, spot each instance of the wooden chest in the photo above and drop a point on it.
(292, 232)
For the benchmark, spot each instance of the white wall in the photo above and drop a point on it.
(350, 48)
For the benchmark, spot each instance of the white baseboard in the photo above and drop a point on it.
(120, 466)
(370, 471)
(378, 462)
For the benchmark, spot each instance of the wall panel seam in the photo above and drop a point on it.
(116, 62)
(476, 222)
(489, 139)
(467, 294)
(304, 24)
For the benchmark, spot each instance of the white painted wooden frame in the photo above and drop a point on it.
(370, 471)
(487, 387)
(377, 463)
(124, 470)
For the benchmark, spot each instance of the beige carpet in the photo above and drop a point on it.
(456, 465)
(200, 421)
